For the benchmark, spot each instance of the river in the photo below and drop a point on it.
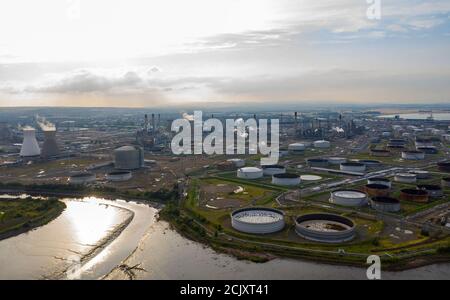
(420, 116)
(52, 251)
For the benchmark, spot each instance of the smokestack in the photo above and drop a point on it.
(30, 146)
(146, 122)
(153, 123)
(296, 122)
(50, 147)
(159, 120)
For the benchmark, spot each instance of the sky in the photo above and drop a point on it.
(163, 53)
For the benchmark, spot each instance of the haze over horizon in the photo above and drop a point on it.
(140, 53)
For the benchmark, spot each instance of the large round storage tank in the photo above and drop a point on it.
(385, 204)
(270, 170)
(257, 220)
(322, 144)
(128, 158)
(317, 162)
(380, 180)
(325, 228)
(444, 166)
(434, 190)
(296, 148)
(348, 198)
(250, 173)
(238, 162)
(405, 177)
(337, 160)
(286, 179)
(353, 167)
(414, 195)
(118, 176)
(413, 155)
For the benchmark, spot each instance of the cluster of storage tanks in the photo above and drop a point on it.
(300, 147)
(277, 172)
(324, 228)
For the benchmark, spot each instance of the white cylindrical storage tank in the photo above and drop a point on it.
(257, 220)
(270, 170)
(380, 180)
(386, 134)
(249, 173)
(322, 144)
(337, 160)
(405, 177)
(325, 228)
(296, 148)
(30, 146)
(348, 198)
(82, 178)
(385, 204)
(286, 179)
(118, 176)
(238, 162)
(128, 158)
(353, 167)
(413, 155)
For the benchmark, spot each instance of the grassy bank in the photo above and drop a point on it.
(21, 215)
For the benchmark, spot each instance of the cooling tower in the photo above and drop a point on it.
(50, 147)
(30, 146)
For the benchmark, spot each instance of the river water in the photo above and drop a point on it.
(421, 116)
(53, 249)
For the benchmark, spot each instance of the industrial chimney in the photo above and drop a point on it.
(50, 147)
(153, 123)
(30, 146)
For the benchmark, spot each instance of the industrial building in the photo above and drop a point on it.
(82, 178)
(286, 179)
(50, 147)
(118, 176)
(30, 146)
(325, 228)
(250, 173)
(270, 170)
(385, 204)
(257, 220)
(128, 158)
(348, 198)
(352, 167)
